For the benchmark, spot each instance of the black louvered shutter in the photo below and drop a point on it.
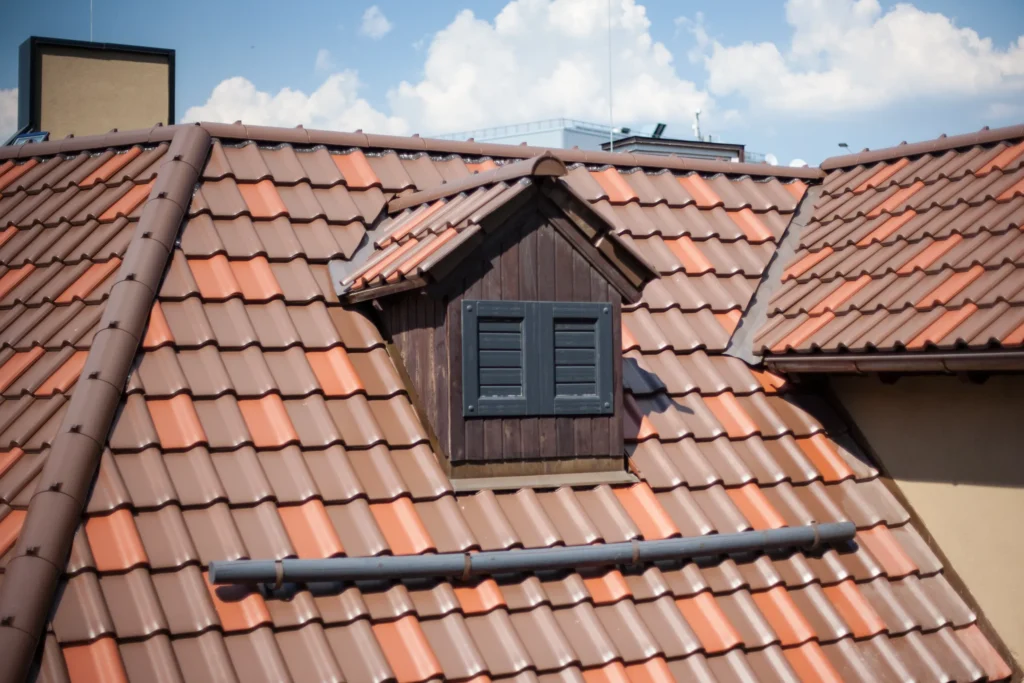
(494, 365)
(580, 339)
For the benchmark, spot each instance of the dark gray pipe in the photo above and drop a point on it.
(532, 560)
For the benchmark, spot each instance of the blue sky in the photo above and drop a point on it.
(792, 79)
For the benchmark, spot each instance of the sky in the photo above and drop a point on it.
(792, 79)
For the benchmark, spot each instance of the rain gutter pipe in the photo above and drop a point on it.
(465, 565)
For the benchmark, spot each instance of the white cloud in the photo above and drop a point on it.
(324, 60)
(849, 55)
(546, 58)
(8, 113)
(375, 24)
(335, 105)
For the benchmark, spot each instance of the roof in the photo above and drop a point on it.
(261, 417)
(915, 249)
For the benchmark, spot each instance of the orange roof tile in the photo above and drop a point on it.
(402, 527)
(752, 226)
(7, 234)
(128, 202)
(311, 530)
(17, 364)
(90, 280)
(215, 277)
(1015, 337)
(420, 256)
(256, 279)
(645, 510)
(811, 664)
(1003, 159)
(858, 613)
(239, 608)
(806, 263)
(728, 411)
(413, 223)
(114, 541)
(479, 598)
(111, 166)
(897, 199)
(930, 254)
(796, 188)
(262, 199)
(158, 332)
(888, 227)
(614, 185)
(981, 649)
(7, 459)
(15, 172)
(784, 616)
(628, 340)
(176, 421)
(381, 265)
(481, 166)
(652, 671)
(709, 622)
(268, 421)
(805, 330)
(95, 662)
(887, 171)
(644, 427)
(689, 255)
(769, 381)
(756, 507)
(335, 372)
(13, 277)
(5, 167)
(842, 293)
(825, 457)
(356, 169)
(886, 549)
(1011, 192)
(612, 672)
(951, 287)
(608, 587)
(700, 190)
(10, 527)
(729, 320)
(406, 648)
(946, 323)
(65, 376)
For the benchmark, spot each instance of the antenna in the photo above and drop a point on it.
(90, 21)
(696, 125)
(611, 114)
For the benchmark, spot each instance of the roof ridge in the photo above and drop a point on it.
(303, 136)
(56, 508)
(940, 144)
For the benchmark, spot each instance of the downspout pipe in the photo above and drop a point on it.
(465, 565)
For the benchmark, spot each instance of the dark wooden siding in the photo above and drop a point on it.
(528, 260)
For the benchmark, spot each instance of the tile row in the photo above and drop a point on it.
(81, 170)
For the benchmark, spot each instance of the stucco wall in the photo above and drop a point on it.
(86, 95)
(956, 450)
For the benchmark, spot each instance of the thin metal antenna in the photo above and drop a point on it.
(90, 21)
(611, 111)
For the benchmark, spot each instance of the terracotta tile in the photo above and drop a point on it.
(110, 167)
(356, 169)
(648, 514)
(7, 234)
(841, 294)
(825, 457)
(699, 190)
(335, 372)
(1018, 187)
(402, 527)
(115, 542)
(806, 263)
(613, 672)
(652, 671)
(614, 185)
(861, 617)
(981, 649)
(95, 662)
(64, 377)
(90, 279)
(938, 330)
(15, 172)
(374, 271)
(421, 255)
(10, 527)
(608, 587)
(886, 172)
(128, 203)
(884, 547)
(256, 280)
(407, 650)
(752, 226)
(158, 332)
(176, 421)
(951, 287)
(215, 277)
(784, 616)
(888, 227)
(311, 530)
(689, 255)
(17, 364)
(262, 199)
(930, 254)
(1003, 159)
(479, 598)
(13, 277)
(239, 607)
(1016, 337)
(896, 200)
(811, 664)
(7, 461)
(756, 507)
(728, 411)
(804, 331)
(268, 421)
(709, 622)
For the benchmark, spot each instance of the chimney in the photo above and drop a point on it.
(70, 86)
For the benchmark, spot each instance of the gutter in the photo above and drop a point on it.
(55, 511)
(950, 363)
(465, 565)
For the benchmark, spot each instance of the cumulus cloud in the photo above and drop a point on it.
(335, 105)
(375, 24)
(8, 113)
(546, 58)
(848, 55)
(324, 60)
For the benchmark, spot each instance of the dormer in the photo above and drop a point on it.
(501, 297)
